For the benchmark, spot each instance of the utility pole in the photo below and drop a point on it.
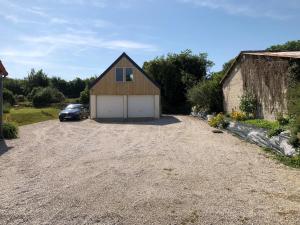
(3, 74)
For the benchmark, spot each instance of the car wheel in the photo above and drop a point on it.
(61, 119)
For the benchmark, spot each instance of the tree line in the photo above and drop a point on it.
(185, 80)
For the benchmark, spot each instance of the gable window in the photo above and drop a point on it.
(119, 75)
(129, 74)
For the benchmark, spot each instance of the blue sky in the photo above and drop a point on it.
(80, 38)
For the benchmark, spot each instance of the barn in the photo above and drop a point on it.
(263, 73)
(124, 91)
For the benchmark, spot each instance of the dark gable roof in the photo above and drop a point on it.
(277, 54)
(3, 71)
(115, 62)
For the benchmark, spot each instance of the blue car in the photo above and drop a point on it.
(73, 112)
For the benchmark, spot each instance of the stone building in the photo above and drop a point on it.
(263, 73)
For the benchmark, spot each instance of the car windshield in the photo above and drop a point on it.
(73, 106)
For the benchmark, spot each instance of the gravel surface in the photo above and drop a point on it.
(173, 171)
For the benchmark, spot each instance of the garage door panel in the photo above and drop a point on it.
(140, 106)
(110, 106)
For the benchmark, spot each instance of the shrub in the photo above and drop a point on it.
(8, 97)
(238, 116)
(21, 98)
(46, 96)
(6, 107)
(248, 104)
(33, 92)
(85, 96)
(218, 121)
(10, 130)
(281, 119)
(274, 132)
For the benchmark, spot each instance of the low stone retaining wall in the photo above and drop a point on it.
(259, 136)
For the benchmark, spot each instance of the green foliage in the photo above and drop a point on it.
(293, 162)
(248, 104)
(207, 94)
(288, 46)
(294, 101)
(8, 97)
(274, 131)
(37, 79)
(218, 121)
(176, 73)
(46, 96)
(21, 98)
(294, 141)
(16, 86)
(10, 130)
(28, 115)
(281, 119)
(85, 96)
(6, 107)
(33, 92)
(265, 124)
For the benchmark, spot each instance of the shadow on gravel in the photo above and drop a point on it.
(164, 120)
(3, 147)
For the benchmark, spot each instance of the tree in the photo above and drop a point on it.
(46, 96)
(75, 87)
(59, 84)
(288, 46)
(207, 94)
(176, 73)
(8, 97)
(36, 79)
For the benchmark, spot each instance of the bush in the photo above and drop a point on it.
(8, 97)
(218, 121)
(274, 132)
(10, 131)
(21, 98)
(207, 95)
(281, 119)
(238, 116)
(248, 104)
(33, 92)
(6, 107)
(46, 96)
(85, 96)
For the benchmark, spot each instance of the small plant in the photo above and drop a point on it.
(238, 116)
(281, 119)
(218, 121)
(10, 130)
(274, 132)
(6, 107)
(248, 104)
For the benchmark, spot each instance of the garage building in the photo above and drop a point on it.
(124, 91)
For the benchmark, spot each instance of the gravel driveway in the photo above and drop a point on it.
(174, 171)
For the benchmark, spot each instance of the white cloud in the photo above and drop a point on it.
(67, 40)
(246, 8)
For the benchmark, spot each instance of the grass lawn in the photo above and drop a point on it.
(29, 115)
(269, 125)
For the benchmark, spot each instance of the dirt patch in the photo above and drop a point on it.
(170, 171)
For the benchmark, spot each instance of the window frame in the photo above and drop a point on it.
(118, 81)
(125, 68)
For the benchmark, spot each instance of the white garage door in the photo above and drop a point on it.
(110, 106)
(140, 106)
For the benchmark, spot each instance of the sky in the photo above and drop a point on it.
(81, 38)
